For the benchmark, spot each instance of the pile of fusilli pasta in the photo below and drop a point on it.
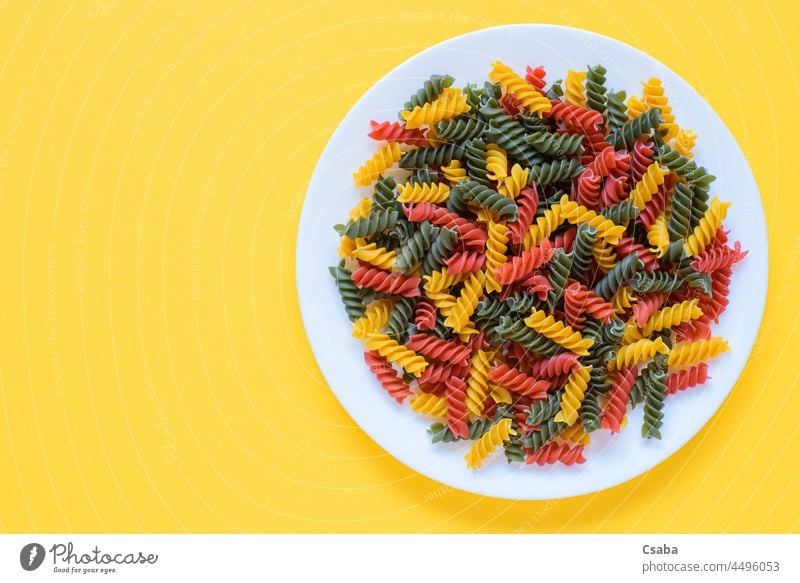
(543, 259)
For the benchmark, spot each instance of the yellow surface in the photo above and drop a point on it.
(154, 372)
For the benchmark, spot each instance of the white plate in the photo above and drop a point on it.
(610, 460)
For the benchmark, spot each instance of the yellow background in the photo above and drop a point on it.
(154, 371)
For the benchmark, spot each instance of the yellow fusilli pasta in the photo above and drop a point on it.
(658, 235)
(466, 302)
(637, 352)
(575, 434)
(429, 404)
(454, 172)
(496, 163)
(488, 442)
(375, 166)
(604, 255)
(558, 332)
(623, 299)
(654, 96)
(499, 394)
(544, 226)
(377, 256)
(576, 214)
(393, 351)
(706, 229)
(644, 190)
(632, 332)
(689, 353)
(684, 143)
(496, 247)
(636, 107)
(574, 88)
(477, 382)
(374, 319)
(671, 316)
(450, 103)
(514, 182)
(443, 301)
(467, 332)
(482, 215)
(416, 192)
(441, 279)
(348, 245)
(574, 391)
(525, 93)
(362, 209)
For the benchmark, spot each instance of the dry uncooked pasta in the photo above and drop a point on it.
(534, 262)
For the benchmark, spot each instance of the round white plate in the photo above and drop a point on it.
(610, 460)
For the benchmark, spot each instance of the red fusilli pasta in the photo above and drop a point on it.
(617, 404)
(647, 305)
(425, 315)
(387, 376)
(554, 366)
(439, 348)
(397, 132)
(467, 262)
(586, 189)
(518, 382)
(554, 452)
(522, 265)
(384, 281)
(641, 158)
(628, 245)
(579, 300)
(457, 406)
(687, 378)
(527, 203)
(536, 77)
(573, 116)
(468, 232)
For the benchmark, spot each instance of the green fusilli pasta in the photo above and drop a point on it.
(369, 226)
(619, 274)
(596, 89)
(581, 254)
(351, 295)
(411, 254)
(430, 90)
(431, 155)
(556, 144)
(617, 111)
(634, 129)
(556, 171)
